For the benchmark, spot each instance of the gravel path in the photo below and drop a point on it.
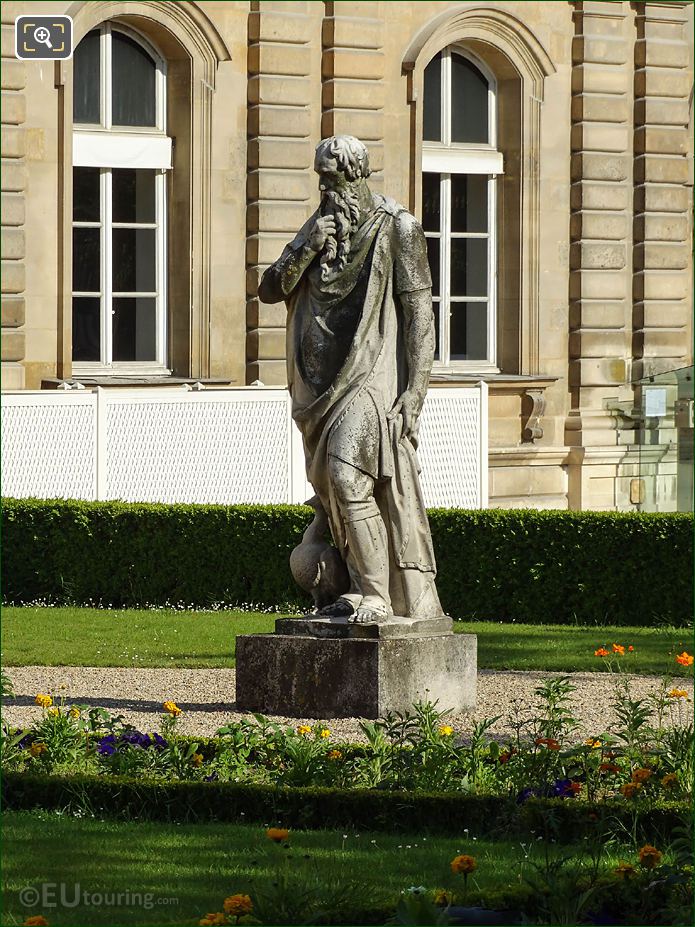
(206, 697)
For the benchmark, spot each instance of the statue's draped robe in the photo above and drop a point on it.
(346, 357)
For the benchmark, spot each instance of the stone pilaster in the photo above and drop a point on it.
(662, 243)
(283, 129)
(601, 201)
(13, 210)
(353, 68)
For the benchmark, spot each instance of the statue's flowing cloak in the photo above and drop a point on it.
(387, 257)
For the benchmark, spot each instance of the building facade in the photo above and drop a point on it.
(546, 148)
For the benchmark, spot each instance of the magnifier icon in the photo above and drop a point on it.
(43, 35)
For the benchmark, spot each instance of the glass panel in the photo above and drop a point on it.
(134, 329)
(468, 331)
(85, 194)
(134, 260)
(86, 80)
(469, 266)
(133, 196)
(469, 202)
(433, 258)
(432, 107)
(86, 263)
(430, 202)
(86, 328)
(134, 71)
(436, 308)
(469, 103)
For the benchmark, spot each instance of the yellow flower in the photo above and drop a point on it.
(74, 712)
(236, 905)
(325, 732)
(677, 693)
(304, 729)
(197, 759)
(38, 920)
(463, 864)
(213, 920)
(592, 742)
(669, 781)
(630, 789)
(277, 834)
(45, 701)
(649, 856)
(37, 749)
(172, 709)
(441, 897)
(446, 731)
(53, 712)
(641, 775)
(624, 870)
(335, 755)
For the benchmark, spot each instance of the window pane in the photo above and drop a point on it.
(86, 263)
(134, 260)
(469, 112)
(133, 196)
(133, 71)
(85, 194)
(433, 258)
(430, 202)
(432, 106)
(469, 266)
(468, 331)
(86, 79)
(436, 308)
(134, 329)
(86, 328)
(469, 202)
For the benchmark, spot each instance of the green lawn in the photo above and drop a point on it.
(163, 637)
(190, 868)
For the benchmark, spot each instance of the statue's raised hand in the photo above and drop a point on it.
(319, 232)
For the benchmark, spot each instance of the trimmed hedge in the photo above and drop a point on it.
(500, 565)
(362, 809)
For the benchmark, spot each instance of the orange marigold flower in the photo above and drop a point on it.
(630, 789)
(649, 856)
(277, 834)
(38, 920)
(335, 755)
(608, 767)
(669, 781)
(548, 742)
(592, 742)
(237, 905)
(601, 652)
(630, 648)
(171, 708)
(641, 775)
(677, 693)
(463, 864)
(685, 659)
(618, 648)
(217, 919)
(624, 870)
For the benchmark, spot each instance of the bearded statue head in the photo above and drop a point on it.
(342, 163)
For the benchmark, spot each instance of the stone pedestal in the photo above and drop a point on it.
(315, 668)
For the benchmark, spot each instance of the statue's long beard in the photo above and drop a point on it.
(345, 209)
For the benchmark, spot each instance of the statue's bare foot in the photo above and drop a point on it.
(341, 608)
(369, 614)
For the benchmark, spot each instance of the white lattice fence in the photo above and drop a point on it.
(213, 446)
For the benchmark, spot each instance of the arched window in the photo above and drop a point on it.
(460, 164)
(120, 155)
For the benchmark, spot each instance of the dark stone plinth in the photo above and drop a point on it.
(310, 677)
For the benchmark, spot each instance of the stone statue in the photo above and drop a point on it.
(360, 345)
